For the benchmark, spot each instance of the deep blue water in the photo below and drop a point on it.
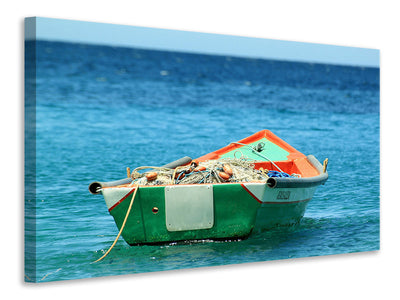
(101, 109)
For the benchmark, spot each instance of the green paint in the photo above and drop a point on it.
(271, 151)
(272, 215)
(234, 216)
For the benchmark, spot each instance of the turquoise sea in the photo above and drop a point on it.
(97, 110)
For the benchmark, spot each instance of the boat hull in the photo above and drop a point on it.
(226, 211)
(166, 212)
(283, 207)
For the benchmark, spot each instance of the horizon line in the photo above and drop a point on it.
(104, 34)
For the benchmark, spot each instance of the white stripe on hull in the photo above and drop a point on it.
(264, 194)
(113, 195)
(260, 191)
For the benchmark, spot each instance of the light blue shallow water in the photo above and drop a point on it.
(102, 109)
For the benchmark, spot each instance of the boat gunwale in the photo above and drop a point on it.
(272, 182)
(289, 182)
(186, 184)
(280, 181)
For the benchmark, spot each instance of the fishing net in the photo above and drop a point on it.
(211, 171)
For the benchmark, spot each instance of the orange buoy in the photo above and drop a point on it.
(199, 169)
(151, 176)
(224, 176)
(193, 165)
(228, 170)
(179, 175)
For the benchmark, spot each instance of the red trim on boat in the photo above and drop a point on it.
(126, 196)
(251, 194)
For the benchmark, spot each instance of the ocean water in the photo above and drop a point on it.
(101, 109)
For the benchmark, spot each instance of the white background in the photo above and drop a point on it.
(367, 24)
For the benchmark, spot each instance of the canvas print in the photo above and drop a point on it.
(150, 150)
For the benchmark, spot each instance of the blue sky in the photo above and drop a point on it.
(195, 42)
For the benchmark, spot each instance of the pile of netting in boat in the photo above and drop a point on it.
(211, 171)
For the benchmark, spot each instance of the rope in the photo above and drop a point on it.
(173, 176)
(122, 227)
(243, 170)
(136, 173)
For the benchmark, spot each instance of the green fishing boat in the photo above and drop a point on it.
(251, 185)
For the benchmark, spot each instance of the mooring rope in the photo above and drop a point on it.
(122, 227)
